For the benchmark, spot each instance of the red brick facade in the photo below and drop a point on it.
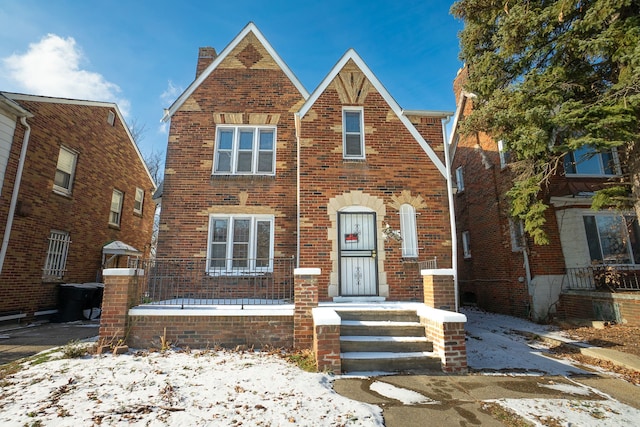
(247, 85)
(107, 159)
(494, 274)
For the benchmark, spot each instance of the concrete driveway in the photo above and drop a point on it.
(23, 341)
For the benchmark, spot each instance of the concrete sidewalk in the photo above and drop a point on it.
(22, 341)
(460, 400)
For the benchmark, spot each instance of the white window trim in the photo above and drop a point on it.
(460, 179)
(516, 226)
(72, 174)
(630, 252)
(503, 154)
(111, 211)
(229, 268)
(235, 149)
(466, 244)
(616, 166)
(139, 198)
(55, 263)
(408, 231)
(344, 133)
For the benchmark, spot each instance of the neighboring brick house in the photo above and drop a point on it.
(71, 181)
(500, 269)
(259, 170)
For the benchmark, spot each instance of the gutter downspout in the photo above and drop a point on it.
(296, 118)
(452, 216)
(16, 189)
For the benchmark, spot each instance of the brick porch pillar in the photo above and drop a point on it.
(120, 294)
(306, 299)
(439, 288)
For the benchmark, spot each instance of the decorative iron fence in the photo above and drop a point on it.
(200, 281)
(609, 277)
(430, 264)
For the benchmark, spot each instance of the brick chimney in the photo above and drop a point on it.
(206, 55)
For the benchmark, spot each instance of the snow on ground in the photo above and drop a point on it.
(222, 388)
(199, 388)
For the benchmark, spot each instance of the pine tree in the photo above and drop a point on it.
(551, 77)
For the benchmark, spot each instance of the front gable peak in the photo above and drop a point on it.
(249, 50)
(353, 80)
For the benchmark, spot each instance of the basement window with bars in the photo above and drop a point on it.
(56, 262)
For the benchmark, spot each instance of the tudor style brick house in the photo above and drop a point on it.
(502, 270)
(71, 181)
(259, 170)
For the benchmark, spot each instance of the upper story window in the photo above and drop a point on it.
(516, 228)
(352, 133)
(139, 201)
(587, 161)
(505, 155)
(115, 212)
(245, 150)
(56, 262)
(612, 238)
(408, 231)
(460, 179)
(240, 244)
(65, 170)
(466, 244)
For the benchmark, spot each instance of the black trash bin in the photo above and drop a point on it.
(73, 298)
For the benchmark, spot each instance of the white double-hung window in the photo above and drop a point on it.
(587, 161)
(245, 150)
(65, 170)
(613, 238)
(408, 231)
(240, 244)
(353, 133)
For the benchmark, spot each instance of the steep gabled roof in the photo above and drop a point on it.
(15, 97)
(351, 55)
(250, 28)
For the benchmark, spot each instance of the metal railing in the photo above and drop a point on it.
(430, 264)
(606, 277)
(199, 281)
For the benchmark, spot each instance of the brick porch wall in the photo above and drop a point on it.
(579, 305)
(121, 292)
(446, 331)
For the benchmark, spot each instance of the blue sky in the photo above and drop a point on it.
(142, 54)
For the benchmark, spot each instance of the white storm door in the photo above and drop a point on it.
(358, 254)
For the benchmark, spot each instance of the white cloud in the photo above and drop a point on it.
(51, 67)
(168, 97)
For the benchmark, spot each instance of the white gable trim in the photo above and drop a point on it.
(352, 55)
(250, 28)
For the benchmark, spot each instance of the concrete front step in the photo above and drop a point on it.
(381, 328)
(389, 361)
(379, 315)
(372, 343)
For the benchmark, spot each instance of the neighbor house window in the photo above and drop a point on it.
(56, 262)
(139, 201)
(240, 243)
(352, 133)
(466, 244)
(460, 179)
(116, 207)
(245, 150)
(613, 239)
(516, 229)
(408, 231)
(587, 161)
(65, 170)
(505, 155)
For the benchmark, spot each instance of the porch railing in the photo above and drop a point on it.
(607, 277)
(200, 281)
